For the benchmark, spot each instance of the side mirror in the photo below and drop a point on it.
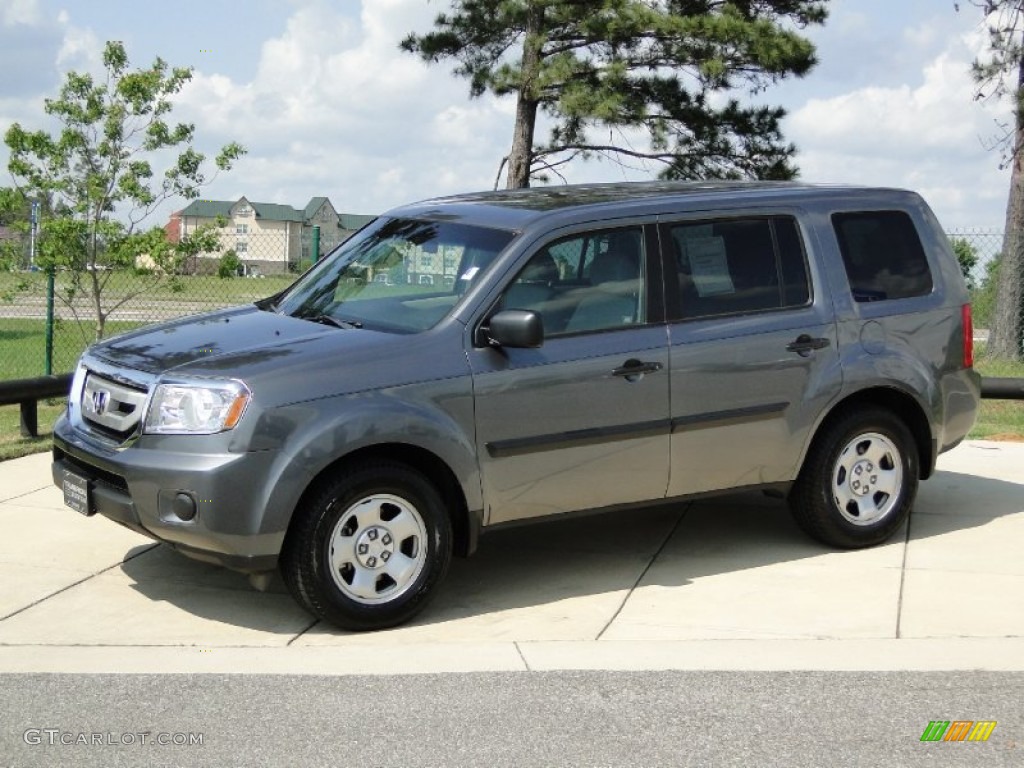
(517, 328)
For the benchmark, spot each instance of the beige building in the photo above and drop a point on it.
(267, 237)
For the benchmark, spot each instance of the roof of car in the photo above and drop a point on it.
(516, 208)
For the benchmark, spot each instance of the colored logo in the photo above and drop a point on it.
(958, 730)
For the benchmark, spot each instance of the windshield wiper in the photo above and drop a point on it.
(328, 320)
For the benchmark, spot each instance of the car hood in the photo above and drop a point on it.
(287, 359)
(238, 331)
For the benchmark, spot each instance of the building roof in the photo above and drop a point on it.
(207, 209)
(313, 206)
(211, 209)
(354, 221)
(276, 212)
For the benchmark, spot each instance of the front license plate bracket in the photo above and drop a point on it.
(78, 494)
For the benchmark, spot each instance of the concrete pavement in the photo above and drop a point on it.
(728, 583)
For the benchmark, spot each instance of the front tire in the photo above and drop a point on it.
(858, 481)
(368, 548)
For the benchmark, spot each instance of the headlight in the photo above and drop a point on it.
(199, 408)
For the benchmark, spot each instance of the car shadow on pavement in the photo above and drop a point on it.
(569, 578)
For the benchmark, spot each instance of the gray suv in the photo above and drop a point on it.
(471, 361)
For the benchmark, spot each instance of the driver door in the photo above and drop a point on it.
(583, 421)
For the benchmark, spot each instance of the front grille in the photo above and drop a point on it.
(102, 476)
(111, 407)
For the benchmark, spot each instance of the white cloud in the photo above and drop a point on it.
(927, 135)
(336, 108)
(80, 49)
(20, 12)
(332, 106)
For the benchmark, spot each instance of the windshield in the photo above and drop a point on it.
(396, 274)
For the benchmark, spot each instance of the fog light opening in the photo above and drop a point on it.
(184, 507)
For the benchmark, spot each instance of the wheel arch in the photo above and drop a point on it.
(465, 524)
(903, 405)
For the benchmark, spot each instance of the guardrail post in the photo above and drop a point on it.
(26, 392)
(29, 418)
(49, 322)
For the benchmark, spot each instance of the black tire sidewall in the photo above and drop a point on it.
(831, 526)
(326, 598)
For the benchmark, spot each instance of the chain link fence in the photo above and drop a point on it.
(980, 252)
(251, 266)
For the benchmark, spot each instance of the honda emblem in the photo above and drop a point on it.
(99, 401)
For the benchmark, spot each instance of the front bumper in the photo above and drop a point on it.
(134, 486)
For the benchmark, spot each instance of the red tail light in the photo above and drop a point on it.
(968, 324)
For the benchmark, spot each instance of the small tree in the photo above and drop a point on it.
(967, 256)
(97, 172)
(668, 68)
(983, 298)
(229, 264)
(14, 212)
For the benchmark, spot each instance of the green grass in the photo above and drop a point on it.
(999, 419)
(211, 288)
(12, 444)
(23, 342)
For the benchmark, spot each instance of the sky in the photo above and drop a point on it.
(326, 104)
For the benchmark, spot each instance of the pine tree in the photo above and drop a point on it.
(671, 68)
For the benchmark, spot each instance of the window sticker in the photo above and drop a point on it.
(709, 266)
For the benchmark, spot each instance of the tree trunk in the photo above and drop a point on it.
(97, 305)
(520, 158)
(94, 280)
(1007, 332)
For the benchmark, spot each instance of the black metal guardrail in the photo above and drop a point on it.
(1002, 388)
(28, 392)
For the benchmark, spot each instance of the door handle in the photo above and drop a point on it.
(633, 369)
(805, 344)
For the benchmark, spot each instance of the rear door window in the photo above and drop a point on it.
(883, 255)
(735, 266)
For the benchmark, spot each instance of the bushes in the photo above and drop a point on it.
(229, 265)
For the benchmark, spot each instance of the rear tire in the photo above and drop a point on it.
(858, 481)
(368, 548)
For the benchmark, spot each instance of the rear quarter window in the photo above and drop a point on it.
(883, 255)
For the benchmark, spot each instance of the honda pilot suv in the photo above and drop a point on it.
(471, 361)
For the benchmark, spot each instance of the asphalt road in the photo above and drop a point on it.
(511, 719)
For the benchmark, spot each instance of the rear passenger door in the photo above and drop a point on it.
(752, 350)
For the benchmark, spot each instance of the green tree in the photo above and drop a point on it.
(15, 218)
(97, 172)
(999, 74)
(14, 214)
(669, 68)
(983, 297)
(967, 256)
(14, 207)
(228, 265)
